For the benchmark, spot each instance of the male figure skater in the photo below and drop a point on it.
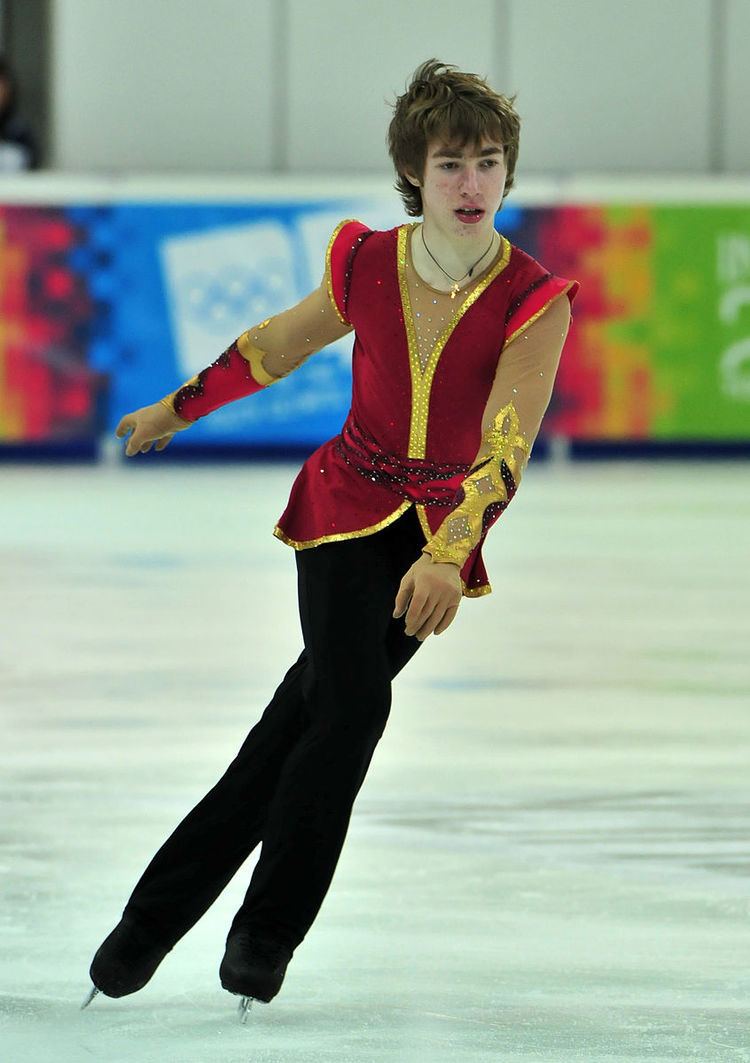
(457, 339)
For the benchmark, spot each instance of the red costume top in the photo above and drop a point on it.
(415, 424)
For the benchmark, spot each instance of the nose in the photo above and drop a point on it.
(470, 182)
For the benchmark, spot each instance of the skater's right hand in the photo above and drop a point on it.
(149, 425)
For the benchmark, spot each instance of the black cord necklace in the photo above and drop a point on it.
(454, 288)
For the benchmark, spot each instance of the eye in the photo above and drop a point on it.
(490, 163)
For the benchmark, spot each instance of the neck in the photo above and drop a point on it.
(455, 254)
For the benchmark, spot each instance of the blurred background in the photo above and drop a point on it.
(171, 174)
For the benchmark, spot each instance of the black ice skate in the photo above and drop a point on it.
(253, 968)
(125, 961)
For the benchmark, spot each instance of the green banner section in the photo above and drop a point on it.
(699, 322)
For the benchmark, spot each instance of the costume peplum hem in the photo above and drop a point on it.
(331, 502)
(338, 537)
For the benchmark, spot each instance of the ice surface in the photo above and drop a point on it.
(548, 860)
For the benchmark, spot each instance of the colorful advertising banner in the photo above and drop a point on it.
(108, 307)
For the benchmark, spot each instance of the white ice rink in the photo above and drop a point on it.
(549, 858)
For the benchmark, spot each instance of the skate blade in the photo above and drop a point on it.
(244, 1007)
(89, 998)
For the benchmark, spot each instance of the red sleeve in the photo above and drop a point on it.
(342, 247)
(536, 294)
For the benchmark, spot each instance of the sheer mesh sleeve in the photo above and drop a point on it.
(513, 414)
(289, 338)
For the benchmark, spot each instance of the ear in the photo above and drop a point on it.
(412, 180)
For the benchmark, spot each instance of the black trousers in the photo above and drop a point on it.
(293, 782)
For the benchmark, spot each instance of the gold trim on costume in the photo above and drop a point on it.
(461, 530)
(254, 355)
(168, 401)
(340, 536)
(538, 314)
(477, 592)
(329, 272)
(421, 380)
(422, 514)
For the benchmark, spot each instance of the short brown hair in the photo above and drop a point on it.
(459, 108)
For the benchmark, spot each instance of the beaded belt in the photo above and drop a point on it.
(425, 482)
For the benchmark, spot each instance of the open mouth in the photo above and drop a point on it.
(470, 212)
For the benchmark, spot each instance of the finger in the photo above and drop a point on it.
(402, 598)
(429, 625)
(133, 447)
(419, 610)
(447, 620)
(164, 441)
(124, 427)
(146, 447)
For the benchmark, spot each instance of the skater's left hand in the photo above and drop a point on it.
(434, 588)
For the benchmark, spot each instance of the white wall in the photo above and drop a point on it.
(346, 59)
(290, 86)
(612, 86)
(161, 85)
(735, 87)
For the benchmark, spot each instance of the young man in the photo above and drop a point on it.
(458, 335)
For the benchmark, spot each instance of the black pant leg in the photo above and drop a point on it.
(205, 850)
(347, 592)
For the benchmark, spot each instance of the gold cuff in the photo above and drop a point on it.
(462, 529)
(168, 401)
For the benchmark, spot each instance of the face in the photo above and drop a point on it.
(469, 177)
